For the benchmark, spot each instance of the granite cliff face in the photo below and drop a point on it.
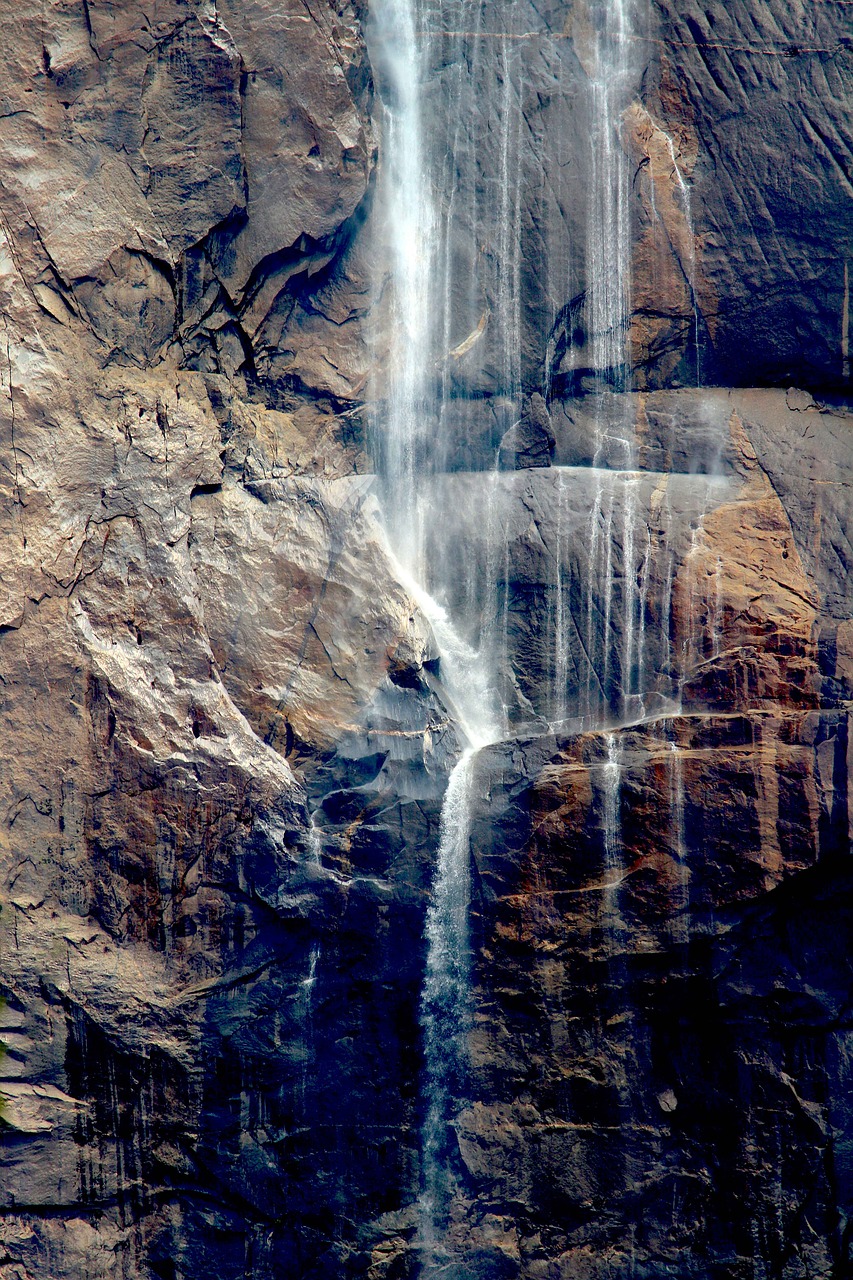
(226, 736)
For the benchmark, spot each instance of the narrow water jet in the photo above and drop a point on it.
(612, 785)
(304, 1017)
(315, 842)
(642, 610)
(676, 766)
(691, 645)
(445, 1004)
(664, 515)
(630, 603)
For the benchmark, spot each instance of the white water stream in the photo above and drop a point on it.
(418, 190)
(677, 804)
(608, 236)
(445, 1000)
(415, 395)
(617, 583)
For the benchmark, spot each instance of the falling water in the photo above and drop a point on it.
(607, 323)
(611, 801)
(664, 510)
(468, 684)
(416, 395)
(315, 842)
(608, 245)
(692, 644)
(645, 572)
(630, 603)
(432, 172)
(680, 932)
(445, 1000)
(306, 1017)
(406, 197)
(599, 599)
(612, 838)
(509, 224)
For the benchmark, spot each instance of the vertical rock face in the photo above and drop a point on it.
(225, 733)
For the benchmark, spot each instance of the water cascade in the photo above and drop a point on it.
(406, 193)
(608, 238)
(305, 1016)
(434, 188)
(619, 689)
(445, 1001)
(677, 798)
(612, 780)
(414, 400)
(428, 780)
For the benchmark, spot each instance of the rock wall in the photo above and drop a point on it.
(225, 743)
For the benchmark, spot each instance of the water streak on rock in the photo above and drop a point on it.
(445, 1003)
(418, 201)
(607, 322)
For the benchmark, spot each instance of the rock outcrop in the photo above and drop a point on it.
(225, 736)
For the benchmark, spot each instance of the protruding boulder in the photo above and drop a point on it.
(530, 442)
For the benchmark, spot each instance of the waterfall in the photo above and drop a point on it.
(641, 620)
(413, 409)
(438, 175)
(664, 513)
(608, 244)
(611, 802)
(315, 842)
(306, 1018)
(445, 1000)
(620, 588)
(680, 929)
(717, 617)
(509, 223)
(630, 603)
(691, 644)
(405, 192)
(466, 677)
(612, 786)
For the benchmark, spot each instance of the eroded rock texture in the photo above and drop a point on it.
(224, 737)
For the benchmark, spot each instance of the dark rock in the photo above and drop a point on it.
(530, 442)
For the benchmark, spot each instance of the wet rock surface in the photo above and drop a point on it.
(529, 442)
(225, 734)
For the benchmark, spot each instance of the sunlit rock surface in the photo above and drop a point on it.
(225, 735)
